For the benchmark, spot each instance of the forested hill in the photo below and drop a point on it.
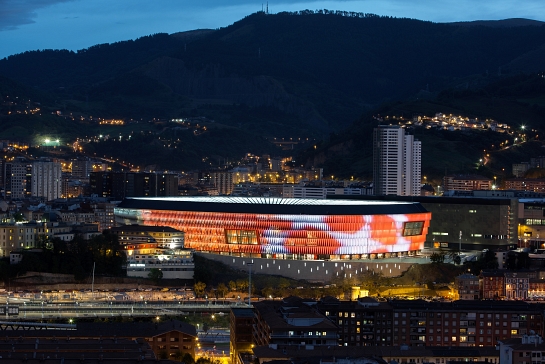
(324, 68)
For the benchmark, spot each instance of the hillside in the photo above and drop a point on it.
(300, 75)
(515, 100)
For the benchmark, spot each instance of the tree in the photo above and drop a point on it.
(437, 257)
(454, 255)
(489, 260)
(187, 359)
(523, 260)
(222, 290)
(267, 292)
(232, 286)
(284, 283)
(199, 288)
(511, 261)
(155, 275)
(457, 259)
(18, 217)
(242, 284)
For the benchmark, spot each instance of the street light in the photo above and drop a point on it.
(250, 283)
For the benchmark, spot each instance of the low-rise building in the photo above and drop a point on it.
(466, 183)
(529, 349)
(492, 284)
(292, 322)
(467, 286)
(517, 285)
(155, 247)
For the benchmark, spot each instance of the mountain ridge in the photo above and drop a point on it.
(304, 74)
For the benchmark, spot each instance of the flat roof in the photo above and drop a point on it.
(273, 205)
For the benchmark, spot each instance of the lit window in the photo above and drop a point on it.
(413, 228)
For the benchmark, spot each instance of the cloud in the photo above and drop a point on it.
(14, 13)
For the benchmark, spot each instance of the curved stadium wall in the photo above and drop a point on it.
(285, 228)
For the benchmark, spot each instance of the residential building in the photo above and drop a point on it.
(119, 185)
(517, 285)
(21, 236)
(378, 355)
(529, 349)
(17, 181)
(46, 180)
(396, 162)
(82, 168)
(292, 322)
(84, 342)
(155, 247)
(525, 184)
(466, 183)
(241, 322)
(223, 181)
(463, 323)
(492, 284)
(361, 322)
(520, 169)
(467, 286)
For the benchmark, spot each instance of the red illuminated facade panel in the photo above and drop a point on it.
(291, 233)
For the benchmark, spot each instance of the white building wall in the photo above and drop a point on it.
(46, 180)
(396, 162)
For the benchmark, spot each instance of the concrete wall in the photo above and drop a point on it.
(313, 271)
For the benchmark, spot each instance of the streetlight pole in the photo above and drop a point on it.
(250, 283)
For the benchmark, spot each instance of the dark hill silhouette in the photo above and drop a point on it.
(504, 23)
(302, 74)
(324, 67)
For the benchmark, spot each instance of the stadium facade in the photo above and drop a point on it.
(285, 228)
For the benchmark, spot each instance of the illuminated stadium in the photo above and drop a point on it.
(285, 228)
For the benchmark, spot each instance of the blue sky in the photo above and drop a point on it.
(76, 24)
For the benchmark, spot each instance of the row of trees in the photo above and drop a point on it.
(78, 257)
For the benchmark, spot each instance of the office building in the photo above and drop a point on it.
(396, 162)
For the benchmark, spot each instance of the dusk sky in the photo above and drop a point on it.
(77, 24)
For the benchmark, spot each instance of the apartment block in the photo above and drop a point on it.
(396, 162)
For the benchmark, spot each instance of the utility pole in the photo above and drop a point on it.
(250, 283)
(460, 247)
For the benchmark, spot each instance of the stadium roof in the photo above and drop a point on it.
(273, 205)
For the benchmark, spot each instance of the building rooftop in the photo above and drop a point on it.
(272, 205)
(151, 229)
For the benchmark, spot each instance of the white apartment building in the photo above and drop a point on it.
(396, 162)
(46, 179)
(39, 178)
(223, 181)
(21, 236)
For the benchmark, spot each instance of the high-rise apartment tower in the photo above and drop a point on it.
(396, 162)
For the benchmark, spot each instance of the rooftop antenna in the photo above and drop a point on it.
(267, 7)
